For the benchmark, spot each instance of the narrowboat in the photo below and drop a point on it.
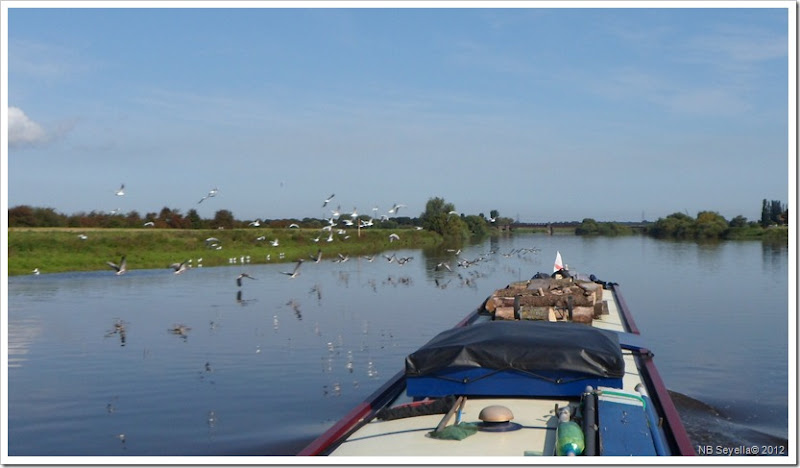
(552, 366)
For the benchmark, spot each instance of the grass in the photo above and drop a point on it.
(55, 250)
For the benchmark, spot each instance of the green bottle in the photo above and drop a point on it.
(569, 436)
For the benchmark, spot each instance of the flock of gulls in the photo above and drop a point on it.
(214, 243)
(453, 269)
(352, 219)
(443, 268)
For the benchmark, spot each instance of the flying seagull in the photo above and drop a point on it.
(121, 190)
(327, 200)
(239, 279)
(180, 267)
(396, 208)
(121, 268)
(296, 271)
(211, 193)
(317, 258)
(393, 237)
(444, 265)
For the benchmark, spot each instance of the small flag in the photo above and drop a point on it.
(558, 265)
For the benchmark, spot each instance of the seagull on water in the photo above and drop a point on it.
(327, 200)
(239, 279)
(121, 268)
(180, 267)
(296, 271)
(121, 190)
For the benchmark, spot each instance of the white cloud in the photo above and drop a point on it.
(22, 130)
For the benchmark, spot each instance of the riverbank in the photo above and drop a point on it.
(58, 250)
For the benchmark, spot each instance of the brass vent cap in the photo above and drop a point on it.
(496, 414)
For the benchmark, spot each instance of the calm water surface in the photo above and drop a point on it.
(267, 367)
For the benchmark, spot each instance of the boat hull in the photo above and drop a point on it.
(658, 431)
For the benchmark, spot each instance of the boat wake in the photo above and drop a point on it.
(707, 426)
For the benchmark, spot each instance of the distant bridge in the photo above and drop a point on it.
(635, 225)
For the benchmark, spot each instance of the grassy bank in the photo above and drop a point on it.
(54, 250)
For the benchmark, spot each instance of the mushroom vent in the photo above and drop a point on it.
(496, 414)
(497, 418)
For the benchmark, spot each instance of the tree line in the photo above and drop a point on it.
(438, 217)
(27, 216)
(707, 225)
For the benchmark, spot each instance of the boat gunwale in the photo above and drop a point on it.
(677, 430)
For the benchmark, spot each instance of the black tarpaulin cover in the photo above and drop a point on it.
(521, 345)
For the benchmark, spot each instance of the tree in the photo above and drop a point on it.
(195, 222)
(21, 215)
(132, 219)
(678, 225)
(477, 225)
(738, 222)
(587, 227)
(223, 219)
(773, 212)
(437, 218)
(710, 225)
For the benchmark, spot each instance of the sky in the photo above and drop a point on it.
(543, 114)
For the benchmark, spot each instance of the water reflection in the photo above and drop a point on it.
(773, 257)
(22, 334)
(180, 330)
(118, 329)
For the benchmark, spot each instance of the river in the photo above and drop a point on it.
(151, 363)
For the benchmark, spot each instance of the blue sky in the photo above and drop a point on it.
(543, 114)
